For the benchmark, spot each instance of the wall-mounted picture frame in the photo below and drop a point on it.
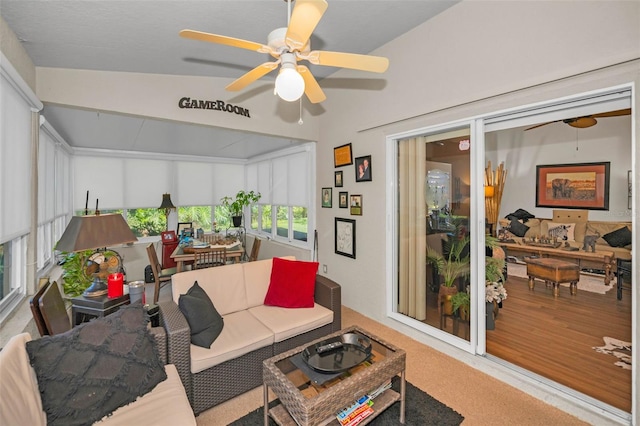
(573, 186)
(355, 202)
(363, 169)
(629, 190)
(337, 179)
(343, 199)
(342, 155)
(345, 235)
(327, 197)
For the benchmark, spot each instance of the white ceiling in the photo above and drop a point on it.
(142, 36)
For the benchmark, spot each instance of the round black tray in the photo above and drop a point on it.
(352, 349)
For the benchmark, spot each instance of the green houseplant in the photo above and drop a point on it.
(461, 303)
(236, 205)
(452, 262)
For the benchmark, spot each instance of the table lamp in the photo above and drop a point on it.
(167, 206)
(96, 232)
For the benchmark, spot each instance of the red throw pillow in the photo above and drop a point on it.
(292, 284)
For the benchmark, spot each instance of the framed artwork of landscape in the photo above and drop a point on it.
(573, 186)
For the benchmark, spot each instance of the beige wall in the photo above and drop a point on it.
(15, 53)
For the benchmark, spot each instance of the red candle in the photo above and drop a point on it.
(115, 285)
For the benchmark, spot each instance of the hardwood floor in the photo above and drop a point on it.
(553, 337)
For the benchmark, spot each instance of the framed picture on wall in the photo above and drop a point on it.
(343, 200)
(327, 195)
(338, 179)
(573, 186)
(356, 205)
(345, 230)
(342, 155)
(363, 169)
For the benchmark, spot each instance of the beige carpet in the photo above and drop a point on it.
(481, 399)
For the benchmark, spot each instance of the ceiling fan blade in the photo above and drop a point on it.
(581, 122)
(227, 41)
(539, 125)
(304, 18)
(347, 60)
(253, 75)
(616, 113)
(311, 87)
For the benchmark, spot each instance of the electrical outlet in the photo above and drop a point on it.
(324, 269)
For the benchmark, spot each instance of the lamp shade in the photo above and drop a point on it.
(166, 202)
(488, 191)
(95, 231)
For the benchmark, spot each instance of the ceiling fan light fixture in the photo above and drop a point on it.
(289, 83)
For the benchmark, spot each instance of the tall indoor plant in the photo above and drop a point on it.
(236, 205)
(452, 262)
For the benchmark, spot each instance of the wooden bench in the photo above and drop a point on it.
(553, 271)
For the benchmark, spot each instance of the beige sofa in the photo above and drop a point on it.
(252, 331)
(20, 402)
(582, 226)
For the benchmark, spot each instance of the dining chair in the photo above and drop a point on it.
(255, 249)
(34, 304)
(53, 310)
(208, 238)
(209, 257)
(161, 276)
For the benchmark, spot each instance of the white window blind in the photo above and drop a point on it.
(46, 177)
(15, 162)
(290, 180)
(228, 179)
(145, 182)
(63, 183)
(103, 178)
(264, 181)
(194, 184)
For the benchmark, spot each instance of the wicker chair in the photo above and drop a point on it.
(209, 257)
(160, 276)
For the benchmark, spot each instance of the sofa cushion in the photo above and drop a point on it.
(20, 403)
(292, 284)
(518, 228)
(205, 323)
(520, 214)
(89, 371)
(257, 276)
(286, 323)
(223, 284)
(242, 333)
(167, 405)
(618, 238)
(563, 231)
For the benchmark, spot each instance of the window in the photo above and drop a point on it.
(13, 270)
(200, 216)
(285, 183)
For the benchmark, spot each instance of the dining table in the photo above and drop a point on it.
(180, 256)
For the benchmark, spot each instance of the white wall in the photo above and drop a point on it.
(558, 143)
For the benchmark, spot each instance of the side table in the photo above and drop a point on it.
(95, 306)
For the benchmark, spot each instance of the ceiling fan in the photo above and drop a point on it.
(290, 45)
(587, 120)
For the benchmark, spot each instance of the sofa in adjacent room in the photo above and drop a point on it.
(259, 309)
(101, 372)
(614, 236)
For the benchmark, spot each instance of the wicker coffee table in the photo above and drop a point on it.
(305, 403)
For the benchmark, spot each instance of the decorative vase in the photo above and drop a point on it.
(489, 316)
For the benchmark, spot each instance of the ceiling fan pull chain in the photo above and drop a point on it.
(300, 122)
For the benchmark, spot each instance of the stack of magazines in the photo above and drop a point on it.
(362, 408)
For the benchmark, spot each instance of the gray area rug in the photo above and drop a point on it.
(420, 410)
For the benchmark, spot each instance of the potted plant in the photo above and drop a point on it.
(495, 292)
(451, 263)
(236, 205)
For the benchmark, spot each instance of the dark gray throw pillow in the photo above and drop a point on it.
(204, 320)
(518, 228)
(96, 367)
(618, 238)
